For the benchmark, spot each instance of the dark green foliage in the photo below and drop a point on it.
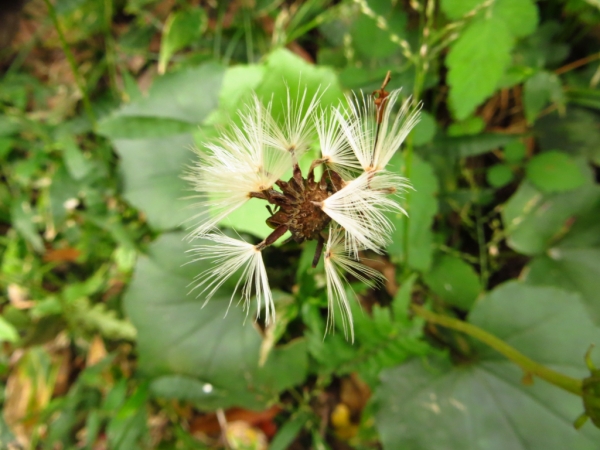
(503, 226)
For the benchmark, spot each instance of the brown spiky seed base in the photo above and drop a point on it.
(299, 203)
(298, 206)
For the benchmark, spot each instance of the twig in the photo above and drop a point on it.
(575, 64)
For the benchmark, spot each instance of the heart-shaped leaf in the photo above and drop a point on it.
(483, 404)
(187, 346)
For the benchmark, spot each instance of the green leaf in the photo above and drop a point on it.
(284, 70)
(577, 132)
(554, 171)
(534, 221)
(476, 62)
(62, 189)
(520, 16)
(97, 318)
(125, 430)
(8, 333)
(573, 263)
(306, 17)
(181, 29)
(576, 270)
(589, 98)
(514, 152)
(214, 343)
(281, 71)
(424, 130)
(469, 126)
(239, 82)
(454, 280)
(514, 75)
(186, 96)
(152, 166)
(485, 401)
(152, 170)
(132, 127)
(9, 125)
(78, 165)
(539, 90)
(22, 218)
(6, 145)
(403, 298)
(185, 388)
(382, 339)
(499, 175)
(455, 9)
(288, 432)
(465, 146)
(421, 206)
(369, 79)
(371, 41)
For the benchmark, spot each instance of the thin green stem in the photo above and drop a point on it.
(454, 252)
(408, 153)
(218, 34)
(78, 78)
(421, 67)
(483, 252)
(528, 365)
(248, 30)
(109, 44)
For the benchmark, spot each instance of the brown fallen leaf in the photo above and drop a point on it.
(97, 351)
(62, 255)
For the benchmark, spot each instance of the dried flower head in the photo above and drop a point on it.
(343, 210)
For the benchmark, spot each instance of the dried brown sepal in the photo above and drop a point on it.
(380, 96)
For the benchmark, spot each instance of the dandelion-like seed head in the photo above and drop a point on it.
(344, 209)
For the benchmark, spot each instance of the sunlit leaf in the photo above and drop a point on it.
(455, 9)
(476, 62)
(520, 16)
(270, 81)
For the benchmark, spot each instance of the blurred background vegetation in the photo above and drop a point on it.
(103, 348)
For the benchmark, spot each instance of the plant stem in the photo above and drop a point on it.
(109, 44)
(483, 251)
(529, 366)
(575, 64)
(248, 30)
(78, 79)
(421, 67)
(407, 173)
